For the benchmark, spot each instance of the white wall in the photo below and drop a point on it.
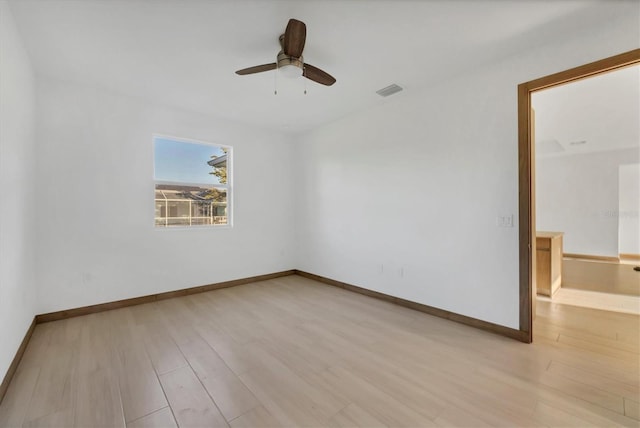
(578, 195)
(96, 238)
(628, 213)
(17, 181)
(403, 198)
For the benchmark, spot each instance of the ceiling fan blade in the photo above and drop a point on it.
(317, 75)
(257, 69)
(294, 38)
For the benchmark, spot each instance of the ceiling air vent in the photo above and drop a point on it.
(389, 90)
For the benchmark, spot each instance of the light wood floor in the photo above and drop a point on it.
(600, 276)
(293, 352)
(594, 300)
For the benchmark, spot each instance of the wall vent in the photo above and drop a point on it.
(389, 90)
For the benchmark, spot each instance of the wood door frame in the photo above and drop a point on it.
(526, 170)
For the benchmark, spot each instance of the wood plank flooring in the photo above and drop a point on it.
(600, 276)
(293, 352)
(594, 300)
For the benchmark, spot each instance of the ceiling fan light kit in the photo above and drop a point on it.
(290, 66)
(289, 60)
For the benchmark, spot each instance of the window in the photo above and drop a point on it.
(192, 183)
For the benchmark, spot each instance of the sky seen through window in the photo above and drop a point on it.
(179, 161)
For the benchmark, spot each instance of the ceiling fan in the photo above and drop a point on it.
(290, 58)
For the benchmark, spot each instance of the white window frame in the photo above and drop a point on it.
(228, 186)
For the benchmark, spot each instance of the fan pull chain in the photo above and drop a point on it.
(305, 83)
(275, 81)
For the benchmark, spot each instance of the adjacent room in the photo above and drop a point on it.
(588, 191)
(263, 213)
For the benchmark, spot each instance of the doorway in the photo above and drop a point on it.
(526, 184)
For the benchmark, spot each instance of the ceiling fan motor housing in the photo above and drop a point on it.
(285, 60)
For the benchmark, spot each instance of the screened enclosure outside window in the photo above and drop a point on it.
(192, 183)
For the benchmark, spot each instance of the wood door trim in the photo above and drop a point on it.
(591, 69)
(440, 313)
(526, 201)
(525, 220)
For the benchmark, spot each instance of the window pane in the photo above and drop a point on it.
(179, 161)
(178, 205)
(194, 173)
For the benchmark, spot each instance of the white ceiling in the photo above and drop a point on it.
(183, 53)
(603, 111)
